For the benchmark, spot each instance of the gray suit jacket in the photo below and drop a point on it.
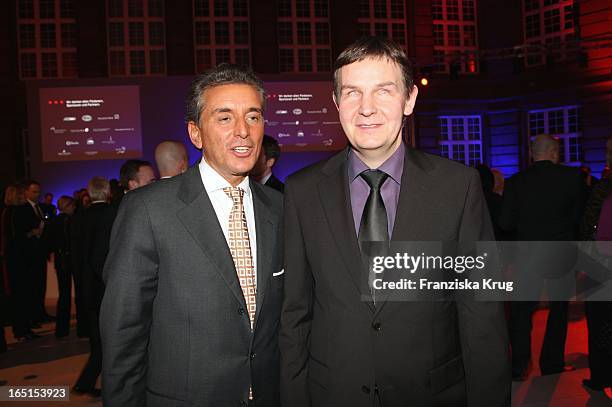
(173, 322)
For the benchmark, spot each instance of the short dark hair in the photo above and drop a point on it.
(222, 74)
(28, 182)
(270, 147)
(377, 48)
(129, 169)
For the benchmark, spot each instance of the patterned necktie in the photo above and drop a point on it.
(240, 247)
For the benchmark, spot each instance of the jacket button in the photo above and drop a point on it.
(241, 311)
(243, 403)
(376, 326)
(365, 389)
(253, 355)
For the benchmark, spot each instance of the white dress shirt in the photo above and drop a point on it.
(266, 178)
(222, 204)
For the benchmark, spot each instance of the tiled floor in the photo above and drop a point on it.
(49, 361)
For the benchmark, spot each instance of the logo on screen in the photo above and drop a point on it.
(69, 119)
(297, 111)
(281, 112)
(86, 118)
(281, 135)
(72, 143)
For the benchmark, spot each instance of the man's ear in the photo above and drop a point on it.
(194, 134)
(132, 184)
(270, 162)
(409, 105)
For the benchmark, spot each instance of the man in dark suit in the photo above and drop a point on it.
(29, 224)
(338, 350)
(96, 225)
(194, 279)
(56, 237)
(542, 203)
(262, 172)
(49, 210)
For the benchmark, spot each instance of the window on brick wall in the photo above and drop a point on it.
(47, 39)
(455, 34)
(561, 123)
(304, 36)
(136, 37)
(548, 30)
(383, 18)
(461, 139)
(221, 31)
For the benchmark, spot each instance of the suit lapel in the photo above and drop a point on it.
(265, 222)
(335, 197)
(413, 193)
(199, 218)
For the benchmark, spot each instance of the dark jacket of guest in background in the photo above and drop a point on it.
(96, 225)
(56, 237)
(262, 172)
(29, 223)
(14, 265)
(542, 203)
(598, 313)
(494, 201)
(76, 261)
(49, 210)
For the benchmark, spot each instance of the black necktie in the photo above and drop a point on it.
(373, 226)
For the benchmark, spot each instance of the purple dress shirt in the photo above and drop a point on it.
(390, 190)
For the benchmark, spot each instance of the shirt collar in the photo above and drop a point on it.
(394, 166)
(266, 178)
(213, 181)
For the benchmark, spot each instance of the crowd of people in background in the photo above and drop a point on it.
(550, 202)
(547, 201)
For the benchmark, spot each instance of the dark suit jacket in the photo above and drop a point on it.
(335, 347)
(96, 223)
(174, 327)
(49, 210)
(31, 248)
(275, 183)
(544, 202)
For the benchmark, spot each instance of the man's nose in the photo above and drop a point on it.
(242, 128)
(367, 107)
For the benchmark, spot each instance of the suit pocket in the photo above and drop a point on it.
(155, 399)
(277, 281)
(318, 374)
(446, 375)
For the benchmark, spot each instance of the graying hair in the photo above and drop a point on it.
(222, 74)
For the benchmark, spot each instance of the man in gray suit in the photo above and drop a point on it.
(193, 277)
